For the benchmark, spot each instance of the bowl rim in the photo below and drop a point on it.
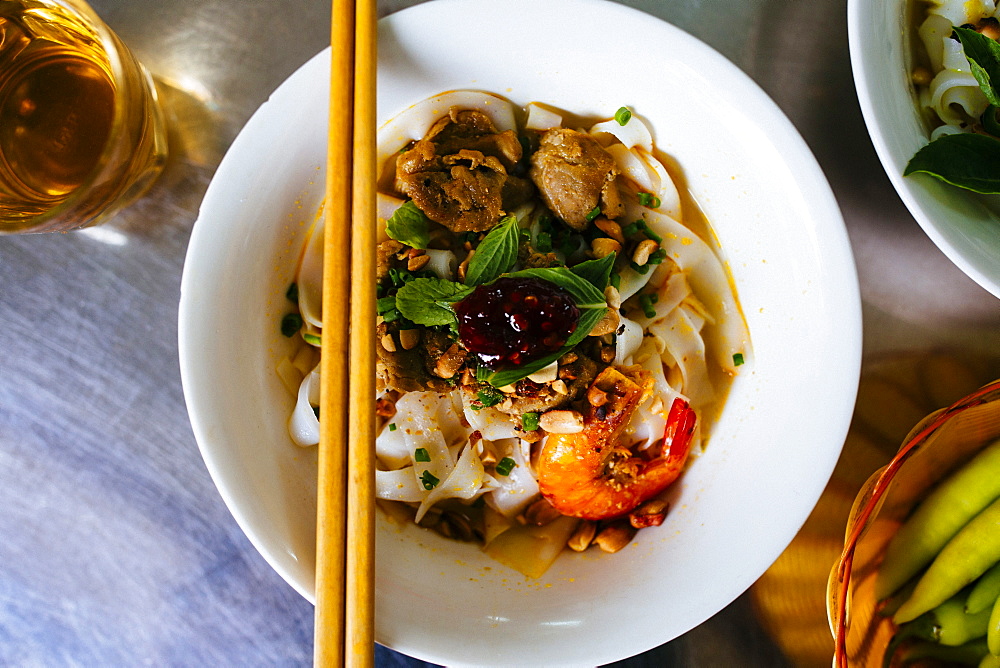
(914, 191)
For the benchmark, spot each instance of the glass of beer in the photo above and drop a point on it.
(81, 132)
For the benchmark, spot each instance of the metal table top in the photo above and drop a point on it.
(115, 548)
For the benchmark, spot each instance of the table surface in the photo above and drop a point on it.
(116, 548)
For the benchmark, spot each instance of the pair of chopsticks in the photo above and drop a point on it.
(345, 528)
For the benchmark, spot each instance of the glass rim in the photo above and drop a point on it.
(116, 53)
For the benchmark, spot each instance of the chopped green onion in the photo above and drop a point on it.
(640, 269)
(290, 324)
(505, 466)
(391, 316)
(651, 201)
(529, 421)
(630, 229)
(428, 480)
(292, 294)
(623, 115)
(594, 213)
(313, 339)
(421, 455)
(650, 233)
(646, 303)
(488, 395)
(543, 242)
(737, 359)
(392, 426)
(657, 256)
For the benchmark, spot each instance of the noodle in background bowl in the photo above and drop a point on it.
(959, 222)
(771, 452)
(936, 447)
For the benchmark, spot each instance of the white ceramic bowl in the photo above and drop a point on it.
(957, 221)
(775, 445)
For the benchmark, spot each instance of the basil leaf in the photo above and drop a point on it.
(409, 225)
(496, 253)
(984, 57)
(427, 301)
(583, 292)
(597, 272)
(989, 120)
(588, 320)
(970, 161)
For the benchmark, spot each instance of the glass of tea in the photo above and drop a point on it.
(81, 131)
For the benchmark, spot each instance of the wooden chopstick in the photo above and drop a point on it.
(344, 621)
(361, 427)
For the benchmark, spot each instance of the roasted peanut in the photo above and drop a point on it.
(642, 252)
(583, 536)
(540, 513)
(649, 514)
(561, 422)
(614, 537)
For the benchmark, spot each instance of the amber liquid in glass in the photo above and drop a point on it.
(57, 106)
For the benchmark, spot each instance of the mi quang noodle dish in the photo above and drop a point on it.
(555, 334)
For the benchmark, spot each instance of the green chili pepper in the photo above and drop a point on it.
(993, 629)
(968, 654)
(942, 513)
(985, 591)
(969, 554)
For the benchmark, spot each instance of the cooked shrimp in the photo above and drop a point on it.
(590, 474)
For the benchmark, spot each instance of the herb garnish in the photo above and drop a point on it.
(409, 225)
(429, 480)
(529, 421)
(291, 324)
(623, 116)
(496, 253)
(421, 455)
(505, 466)
(427, 301)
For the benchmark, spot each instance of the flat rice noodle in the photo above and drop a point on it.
(531, 550)
(491, 423)
(709, 283)
(309, 279)
(465, 481)
(516, 490)
(633, 133)
(670, 198)
(685, 345)
(303, 425)
(628, 342)
(398, 485)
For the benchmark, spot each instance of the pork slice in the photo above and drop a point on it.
(574, 174)
(458, 174)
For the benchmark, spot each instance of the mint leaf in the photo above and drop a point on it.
(597, 272)
(427, 301)
(409, 225)
(496, 253)
(583, 292)
(588, 320)
(984, 58)
(970, 161)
